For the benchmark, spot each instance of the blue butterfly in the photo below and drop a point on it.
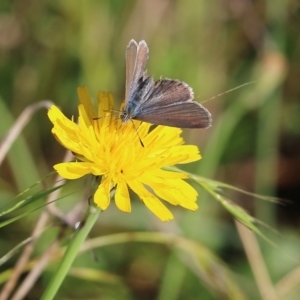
(164, 102)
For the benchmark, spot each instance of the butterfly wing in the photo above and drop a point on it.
(166, 102)
(170, 102)
(136, 60)
(131, 52)
(187, 115)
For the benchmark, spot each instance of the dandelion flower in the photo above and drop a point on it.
(106, 147)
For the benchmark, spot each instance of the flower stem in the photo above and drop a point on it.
(70, 254)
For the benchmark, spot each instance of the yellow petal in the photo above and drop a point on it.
(73, 170)
(158, 208)
(168, 174)
(64, 130)
(151, 201)
(186, 154)
(105, 103)
(85, 100)
(122, 197)
(60, 120)
(102, 195)
(177, 197)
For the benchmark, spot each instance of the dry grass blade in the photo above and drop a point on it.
(260, 272)
(288, 283)
(20, 123)
(25, 256)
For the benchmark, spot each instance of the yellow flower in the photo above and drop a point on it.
(104, 146)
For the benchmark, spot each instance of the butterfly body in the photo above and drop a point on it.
(164, 102)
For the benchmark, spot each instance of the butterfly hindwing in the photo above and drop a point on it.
(171, 91)
(177, 108)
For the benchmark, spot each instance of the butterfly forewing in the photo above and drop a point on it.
(135, 66)
(131, 52)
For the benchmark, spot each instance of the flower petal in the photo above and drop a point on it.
(122, 197)
(153, 203)
(73, 170)
(64, 130)
(105, 103)
(179, 194)
(85, 100)
(156, 206)
(102, 195)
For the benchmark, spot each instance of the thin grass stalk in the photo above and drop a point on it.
(71, 253)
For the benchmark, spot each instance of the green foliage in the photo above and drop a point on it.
(48, 48)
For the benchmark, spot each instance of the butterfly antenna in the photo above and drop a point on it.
(216, 96)
(107, 111)
(136, 130)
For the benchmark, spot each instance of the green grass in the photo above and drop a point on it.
(48, 48)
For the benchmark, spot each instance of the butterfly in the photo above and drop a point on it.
(164, 102)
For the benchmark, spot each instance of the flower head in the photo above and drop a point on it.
(104, 146)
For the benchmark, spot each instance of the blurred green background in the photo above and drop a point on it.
(48, 48)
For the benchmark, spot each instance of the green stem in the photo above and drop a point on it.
(70, 254)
